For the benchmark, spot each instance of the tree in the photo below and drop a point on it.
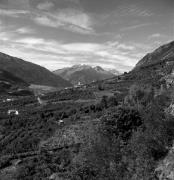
(100, 87)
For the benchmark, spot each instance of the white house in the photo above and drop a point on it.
(8, 100)
(60, 122)
(13, 112)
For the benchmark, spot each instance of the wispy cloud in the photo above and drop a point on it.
(74, 1)
(134, 10)
(13, 12)
(75, 17)
(69, 19)
(25, 30)
(80, 30)
(22, 4)
(45, 5)
(82, 47)
(125, 47)
(132, 27)
(47, 21)
(156, 36)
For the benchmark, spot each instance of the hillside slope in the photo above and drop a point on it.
(156, 69)
(157, 65)
(7, 77)
(162, 53)
(8, 81)
(83, 74)
(31, 73)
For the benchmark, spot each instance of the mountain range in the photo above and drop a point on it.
(159, 63)
(84, 74)
(30, 73)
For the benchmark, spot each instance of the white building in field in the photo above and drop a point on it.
(13, 112)
(8, 100)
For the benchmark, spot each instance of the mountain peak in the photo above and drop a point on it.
(84, 74)
(98, 68)
(81, 66)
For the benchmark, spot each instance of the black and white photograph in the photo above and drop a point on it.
(86, 89)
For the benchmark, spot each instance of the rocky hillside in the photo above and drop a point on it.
(83, 74)
(156, 66)
(163, 53)
(30, 73)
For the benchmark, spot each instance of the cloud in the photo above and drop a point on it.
(4, 36)
(80, 30)
(15, 4)
(136, 26)
(25, 30)
(47, 21)
(74, 1)
(133, 10)
(75, 17)
(13, 12)
(156, 36)
(31, 41)
(125, 47)
(69, 19)
(41, 45)
(55, 23)
(81, 47)
(45, 5)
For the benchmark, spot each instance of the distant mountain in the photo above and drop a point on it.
(30, 73)
(114, 71)
(83, 74)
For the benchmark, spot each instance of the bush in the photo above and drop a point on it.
(139, 95)
(121, 121)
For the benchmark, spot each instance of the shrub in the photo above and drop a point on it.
(121, 121)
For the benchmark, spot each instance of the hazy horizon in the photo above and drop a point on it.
(108, 33)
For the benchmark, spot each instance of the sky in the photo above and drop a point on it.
(112, 34)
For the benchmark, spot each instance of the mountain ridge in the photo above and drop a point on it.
(30, 72)
(164, 52)
(83, 73)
